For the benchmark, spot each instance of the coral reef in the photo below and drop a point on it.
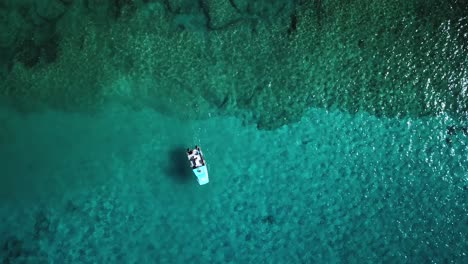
(270, 61)
(11, 250)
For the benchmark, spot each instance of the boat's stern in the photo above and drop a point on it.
(202, 175)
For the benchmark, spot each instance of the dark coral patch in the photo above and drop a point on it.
(269, 219)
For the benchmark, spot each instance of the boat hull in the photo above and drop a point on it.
(202, 175)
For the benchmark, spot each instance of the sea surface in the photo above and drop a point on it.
(332, 188)
(336, 178)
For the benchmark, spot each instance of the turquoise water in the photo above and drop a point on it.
(334, 132)
(333, 188)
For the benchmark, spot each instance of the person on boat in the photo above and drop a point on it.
(193, 161)
(198, 162)
(202, 160)
(195, 157)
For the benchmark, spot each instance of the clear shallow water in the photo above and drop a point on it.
(365, 159)
(333, 188)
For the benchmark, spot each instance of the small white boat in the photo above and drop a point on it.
(198, 164)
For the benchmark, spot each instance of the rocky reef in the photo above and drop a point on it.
(267, 61)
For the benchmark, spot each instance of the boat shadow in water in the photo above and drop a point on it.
(178, 168)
